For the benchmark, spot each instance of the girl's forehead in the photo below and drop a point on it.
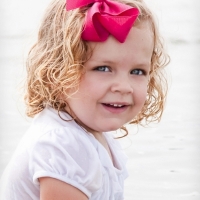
(138, 46)
(143, 28)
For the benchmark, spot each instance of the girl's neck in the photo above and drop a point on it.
(81, 124)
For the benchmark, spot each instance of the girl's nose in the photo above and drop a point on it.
(122, 84)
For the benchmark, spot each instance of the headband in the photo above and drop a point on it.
(105, 17)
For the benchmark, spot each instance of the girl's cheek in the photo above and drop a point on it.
(142, 94)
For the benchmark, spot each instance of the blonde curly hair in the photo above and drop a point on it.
(55, 62)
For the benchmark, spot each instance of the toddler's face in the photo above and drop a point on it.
(114, 87)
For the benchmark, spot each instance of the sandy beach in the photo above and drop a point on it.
(164, 159)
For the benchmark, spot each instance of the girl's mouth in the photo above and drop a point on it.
(115, 108)
(114, 105)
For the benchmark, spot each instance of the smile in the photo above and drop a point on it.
(115, 105)
(115, 108)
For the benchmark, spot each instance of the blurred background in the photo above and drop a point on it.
(164, 159)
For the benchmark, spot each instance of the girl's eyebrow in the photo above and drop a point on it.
(110, 62)
(102, 62)
(143, 65)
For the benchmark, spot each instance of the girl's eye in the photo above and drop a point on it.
(138, 72)
(102, 68)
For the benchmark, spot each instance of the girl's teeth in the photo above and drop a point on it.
(116, 105)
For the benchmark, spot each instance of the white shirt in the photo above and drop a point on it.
(55, 148)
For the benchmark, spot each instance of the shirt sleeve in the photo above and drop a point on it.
(68, 156)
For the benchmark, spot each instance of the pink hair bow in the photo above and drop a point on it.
(105, 17)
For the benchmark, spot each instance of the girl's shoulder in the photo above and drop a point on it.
(57, 129)
(50, 121)
(50, 118)
(51, 135)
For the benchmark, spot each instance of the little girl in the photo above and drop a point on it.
(96, 66)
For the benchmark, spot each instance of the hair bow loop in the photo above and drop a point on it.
(106, 17)
(73, 4)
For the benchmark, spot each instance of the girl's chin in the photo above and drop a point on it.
(111, 128)
(105, 129)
